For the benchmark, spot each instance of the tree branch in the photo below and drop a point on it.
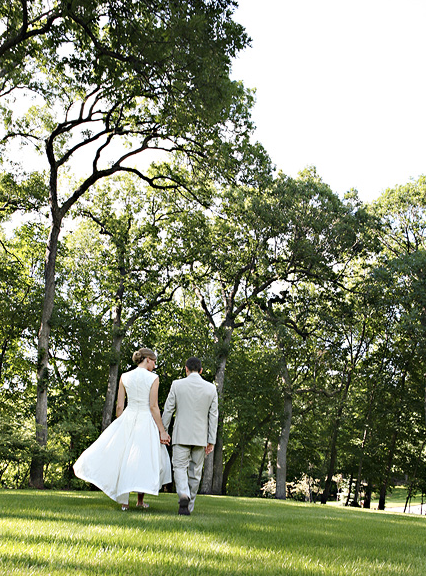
(24, 34)
(205, 308)
(97, 221)
(11, 253)
(155, 301)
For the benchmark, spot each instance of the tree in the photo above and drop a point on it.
(138, 266)
(354, 333)
(149, 37)
(21, 259)
(285, 232)
(226, 276)
(400, 269)
(294, 321)
(20, 294)
(317, 236)
(251, 373)
(153, 75)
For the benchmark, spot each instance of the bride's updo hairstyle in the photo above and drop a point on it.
(140, 355)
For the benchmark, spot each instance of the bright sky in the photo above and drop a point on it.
(341, 85)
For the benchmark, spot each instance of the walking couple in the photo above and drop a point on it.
(131, 454)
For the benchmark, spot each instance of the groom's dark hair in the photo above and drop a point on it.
(193, 364)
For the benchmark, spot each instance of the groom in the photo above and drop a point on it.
(194, 402)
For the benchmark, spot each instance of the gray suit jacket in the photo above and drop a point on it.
(195, 402)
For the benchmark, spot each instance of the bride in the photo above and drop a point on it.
(130, 455)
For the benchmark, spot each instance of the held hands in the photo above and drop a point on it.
(165, 438)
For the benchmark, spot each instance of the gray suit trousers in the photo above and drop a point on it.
(187, 469)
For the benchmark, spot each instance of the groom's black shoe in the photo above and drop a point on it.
(183, 507)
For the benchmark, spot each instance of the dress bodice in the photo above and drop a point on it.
(138, 384)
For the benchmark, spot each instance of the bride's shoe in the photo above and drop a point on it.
(124, 507)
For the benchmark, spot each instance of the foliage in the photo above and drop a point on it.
(119, 78)
(21, 258)
(26, 194)
(291, 295)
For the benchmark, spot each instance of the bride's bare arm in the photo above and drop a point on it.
(155, 411)
(120, 399)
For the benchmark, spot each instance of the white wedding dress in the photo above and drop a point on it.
(127, 456)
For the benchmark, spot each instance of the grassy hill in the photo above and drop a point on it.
(84, 533)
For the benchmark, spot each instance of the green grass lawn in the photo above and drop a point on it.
(82, 533)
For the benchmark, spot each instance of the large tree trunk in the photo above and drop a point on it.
(392, 448)
(117, 339)
(228, 467)
(213, 466)
(263, 462)
(365, 438)
(281, 473)
(333, 446)
(112, 379)
(367, 496)
(282, 448)
(348, 498)
(38, 460)
(385, 481)
(359, 475)
(118, 332)
(218, 460)
(206, 484)
(3, 354)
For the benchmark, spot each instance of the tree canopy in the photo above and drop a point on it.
(136, 209)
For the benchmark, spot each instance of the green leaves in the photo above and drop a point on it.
(28, 194)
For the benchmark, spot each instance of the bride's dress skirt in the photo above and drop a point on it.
(127, 456)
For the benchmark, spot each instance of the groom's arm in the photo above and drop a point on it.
(169, 407)
(213, 418)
